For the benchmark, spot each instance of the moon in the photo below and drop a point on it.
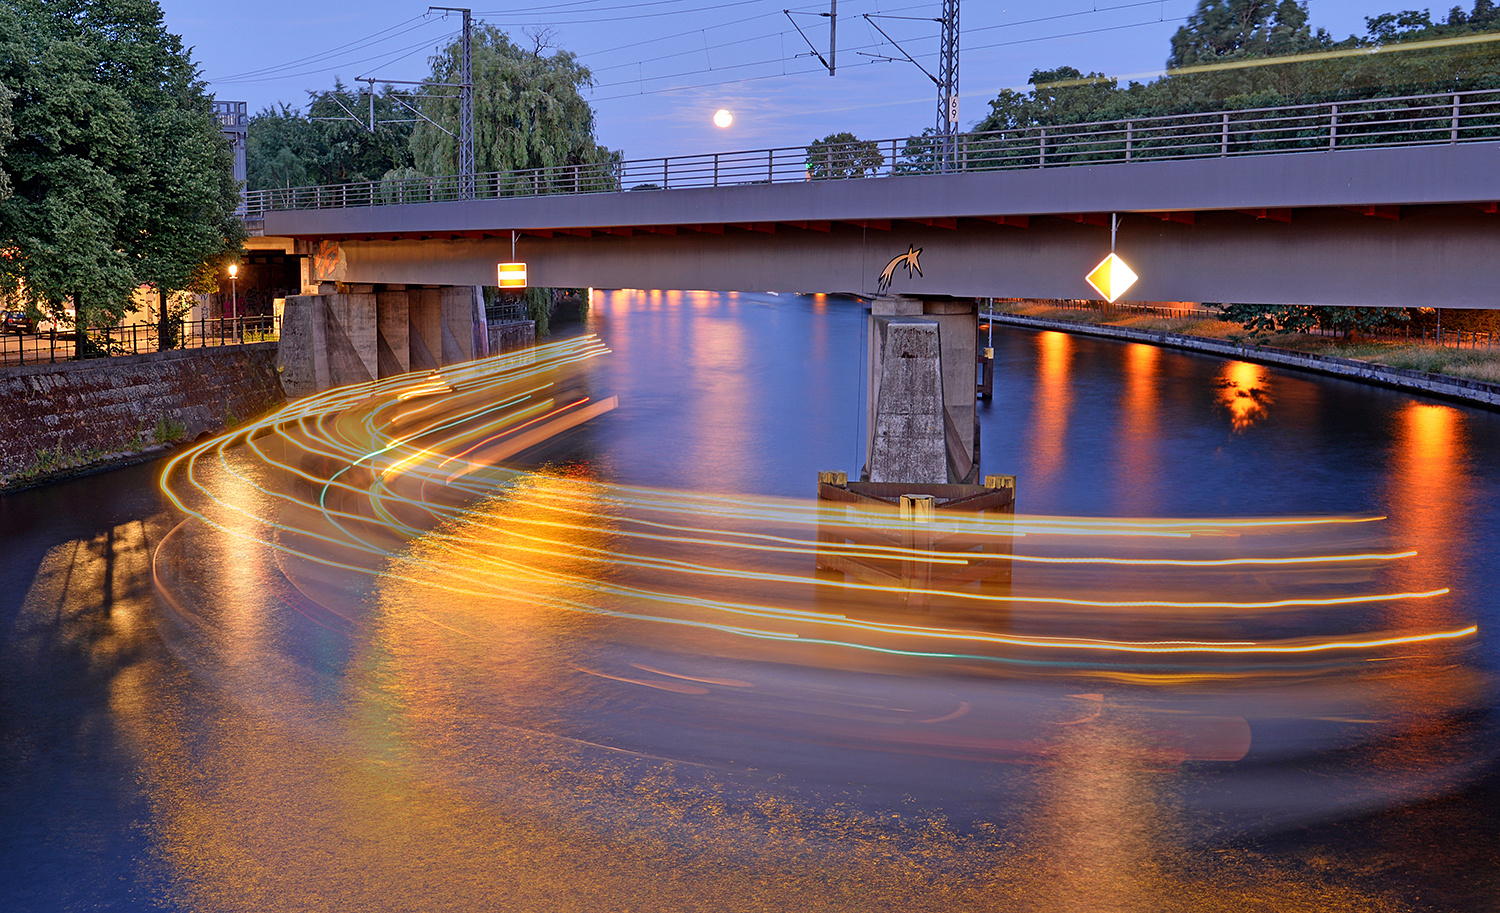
(722, 118)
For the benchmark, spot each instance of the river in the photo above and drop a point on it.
(605, 683)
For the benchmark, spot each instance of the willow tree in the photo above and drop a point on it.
(529, 111)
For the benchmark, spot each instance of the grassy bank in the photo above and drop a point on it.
(1482, 364)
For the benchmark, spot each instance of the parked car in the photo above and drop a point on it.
(58, 325)
(18, 322)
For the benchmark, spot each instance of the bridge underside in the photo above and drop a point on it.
(1406, 226)
(1437, 256)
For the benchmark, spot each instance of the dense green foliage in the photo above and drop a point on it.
(528, 113)
(1266, 319)
(1256, 53)
(119, 173)
(333, 143)
(842, 155)
(1220, 30)
(5, 134)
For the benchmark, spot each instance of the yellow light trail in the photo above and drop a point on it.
(402, 459)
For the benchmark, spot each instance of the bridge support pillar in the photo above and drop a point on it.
(351, 333)
(920, 416)
(424, 316)
(394, 332)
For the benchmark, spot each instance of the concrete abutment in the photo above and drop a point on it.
(351, 333)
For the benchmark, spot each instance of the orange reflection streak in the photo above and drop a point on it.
(1053, 398)
(1139, 432)
(723, 390)
(1244, 389)
(1428, 483)
(1428, 495)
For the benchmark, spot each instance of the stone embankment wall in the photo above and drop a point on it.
(511, 335)
(60, 419)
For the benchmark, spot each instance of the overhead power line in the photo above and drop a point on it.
(330, 53)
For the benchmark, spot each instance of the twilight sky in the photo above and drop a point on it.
(663, 67)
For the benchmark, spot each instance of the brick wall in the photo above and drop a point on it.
(60, 418)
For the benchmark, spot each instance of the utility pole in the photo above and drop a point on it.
(465, 107)
(947, 119)
(831, 61)
(833, 35)
(945, 147)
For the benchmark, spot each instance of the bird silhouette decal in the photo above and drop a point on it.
(908, 259)
(326, 260)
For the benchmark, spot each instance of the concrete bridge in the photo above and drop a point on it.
(1390, 202)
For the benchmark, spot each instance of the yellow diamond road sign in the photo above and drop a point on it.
(1112, 277)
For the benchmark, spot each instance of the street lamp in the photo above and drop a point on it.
(234, 300)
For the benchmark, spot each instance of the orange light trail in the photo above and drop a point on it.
(354, 476)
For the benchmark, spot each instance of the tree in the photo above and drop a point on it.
(843, 155)
(77, 147)
(334, 143)
(1220, 30)
(1068, 96)
(5, 135)
(1264, 319)
(282, 149)
(353, 151)
(528, 109)
(185, 198)
(1225, 31)
(120, 174)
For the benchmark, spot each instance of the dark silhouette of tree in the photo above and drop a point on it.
(843, 155)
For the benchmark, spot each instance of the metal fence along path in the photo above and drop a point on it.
(135, 339)
(1457, 117)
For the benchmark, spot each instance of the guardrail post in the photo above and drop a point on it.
(1041, 149)
(770, 166)
(1224, 134)
(575, 178)
(1129, 138)
(1333, 127)
(664, 182)
(716, 169)
(1453, 136)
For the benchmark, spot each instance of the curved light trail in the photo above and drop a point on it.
(350, 479)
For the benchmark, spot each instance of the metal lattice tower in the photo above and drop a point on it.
(466, 116)
(947, 119)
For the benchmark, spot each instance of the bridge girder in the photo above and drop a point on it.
(1380, 227)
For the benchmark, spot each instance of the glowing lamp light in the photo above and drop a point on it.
(722, 118)
(1111, 277)
(511, 275)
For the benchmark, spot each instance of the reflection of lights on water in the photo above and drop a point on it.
(375, 468)
(1053, 401)
(1244, 389)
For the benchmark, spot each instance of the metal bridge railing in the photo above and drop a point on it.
(1407, 120)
